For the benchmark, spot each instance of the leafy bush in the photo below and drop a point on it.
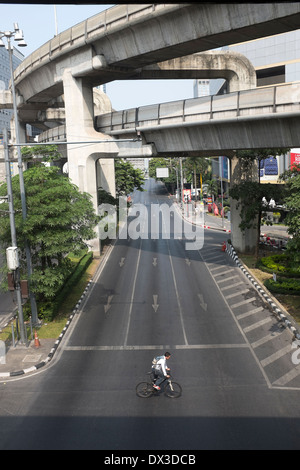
(279, 264)
(283, 286)
(48, 310)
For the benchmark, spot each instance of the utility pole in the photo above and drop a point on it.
(181, 182)
(14, 238)
(55, 21)
(17, 34)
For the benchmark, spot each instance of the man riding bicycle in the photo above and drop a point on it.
(160, 370)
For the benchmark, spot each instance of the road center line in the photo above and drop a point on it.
(177, 296)
(132, 294)
(155, 347)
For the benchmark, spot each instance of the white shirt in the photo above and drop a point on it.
(162, 364)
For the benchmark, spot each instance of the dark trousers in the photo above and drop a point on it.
(161, 377)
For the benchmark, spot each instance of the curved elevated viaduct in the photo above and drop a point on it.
(146, 41)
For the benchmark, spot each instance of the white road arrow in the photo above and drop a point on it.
(202, 303)
(154, 262)
(155, 304)
(122, 262)
(108, 305)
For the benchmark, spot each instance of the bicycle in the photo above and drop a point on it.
(146, 389)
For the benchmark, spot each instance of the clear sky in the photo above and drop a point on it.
(38, 24)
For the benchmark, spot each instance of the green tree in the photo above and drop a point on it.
(212, 188)
(60, 219)
(195, 166)
(127, 178)
(250, 194)
(38, 153)
(172, 164)
(155, 163)
(292, 202)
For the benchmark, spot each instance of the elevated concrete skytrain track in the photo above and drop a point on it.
(128, 42)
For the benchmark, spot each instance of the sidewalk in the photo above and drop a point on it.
(23, 359)
(211, 221)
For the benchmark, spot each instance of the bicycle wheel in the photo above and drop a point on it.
(144, 389)
(173, 390)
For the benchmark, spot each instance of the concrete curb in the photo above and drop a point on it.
(266, 295)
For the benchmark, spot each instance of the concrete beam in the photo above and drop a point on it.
(150, 34)
(220, 137)
(232, 66)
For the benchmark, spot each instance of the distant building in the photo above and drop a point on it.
(201, 88)
(17, 58)
(6, 114)
(276, 60)
(137, 163)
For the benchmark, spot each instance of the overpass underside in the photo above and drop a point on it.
(213, 138)
(223, 138)
(150, 40)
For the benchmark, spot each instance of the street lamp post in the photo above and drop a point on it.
(13, 237)
(17, 34)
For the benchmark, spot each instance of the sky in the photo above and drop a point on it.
(39, 26)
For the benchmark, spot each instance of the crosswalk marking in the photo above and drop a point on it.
(257, 324)
(227, 279)
(235, 294)
(265, 339)
(292, 374)
(216, 268)
(209, 260)
(247, 314)
(243, 302)
(231, 286)
(273, 357)
(223, 272)
(226, 274)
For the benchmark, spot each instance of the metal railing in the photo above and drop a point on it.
(247, 103)
(264, 102)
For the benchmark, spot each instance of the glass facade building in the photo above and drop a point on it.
(276, 60)
(17, 57)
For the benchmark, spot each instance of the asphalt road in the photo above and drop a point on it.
(233, 359)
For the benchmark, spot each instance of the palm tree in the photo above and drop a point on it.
(212, 188)
(198, 165)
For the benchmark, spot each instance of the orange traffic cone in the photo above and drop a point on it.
(37, 343)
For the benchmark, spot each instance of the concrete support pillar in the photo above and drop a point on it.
(82, 159)
(106, 175)
(242, 241)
